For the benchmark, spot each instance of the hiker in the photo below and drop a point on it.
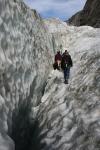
(58, 58)
(66, 63)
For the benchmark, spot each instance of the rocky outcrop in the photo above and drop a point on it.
(90, 15)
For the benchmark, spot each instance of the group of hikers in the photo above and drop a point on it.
(64, 62)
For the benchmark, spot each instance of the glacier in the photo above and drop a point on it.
(33, 97)
(69, 115)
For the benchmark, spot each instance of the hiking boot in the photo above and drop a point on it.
(58, 68)
(66, 82)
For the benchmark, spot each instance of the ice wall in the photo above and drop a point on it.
(58, 33)
(25, 61)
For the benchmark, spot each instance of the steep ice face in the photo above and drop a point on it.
(69, 115)
(64, 36)
(25, 61)
(58, 31)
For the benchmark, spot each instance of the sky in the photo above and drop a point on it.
(62, 9)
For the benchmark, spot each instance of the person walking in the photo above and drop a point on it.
(58, 58)
(66, 64)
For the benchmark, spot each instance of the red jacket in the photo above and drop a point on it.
(58, 56)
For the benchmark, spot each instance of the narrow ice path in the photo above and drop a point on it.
(54, 84)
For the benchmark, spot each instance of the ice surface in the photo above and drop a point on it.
(72, 112)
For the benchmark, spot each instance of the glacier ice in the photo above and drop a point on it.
(68, 115)
(71, 113)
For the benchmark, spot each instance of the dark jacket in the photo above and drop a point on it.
(66, 59)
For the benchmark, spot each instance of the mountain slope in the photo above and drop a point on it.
(90, 15)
